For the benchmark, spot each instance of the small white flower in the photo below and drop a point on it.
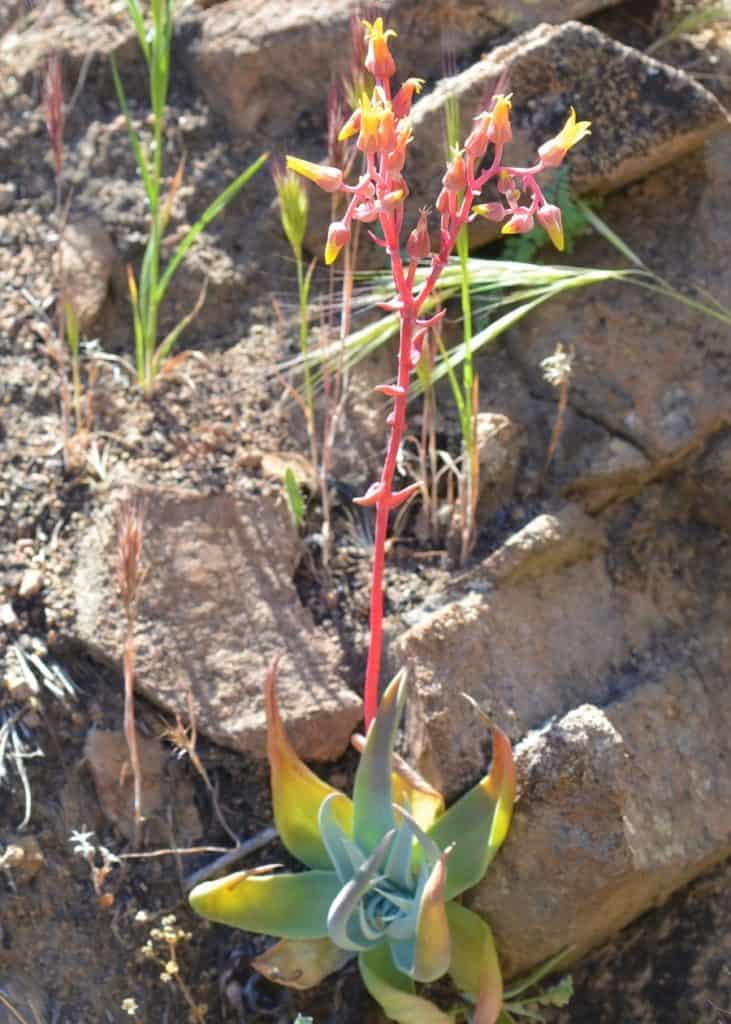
(80, 843)
(130, 1006)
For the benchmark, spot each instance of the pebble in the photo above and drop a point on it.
(31, 584)
(7, 196)
(8, 618)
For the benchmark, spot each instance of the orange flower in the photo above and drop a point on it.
(499, 131)
(378, 60)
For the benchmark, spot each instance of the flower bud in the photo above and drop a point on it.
(549, 217)
(477, 141)
(455, 179)
(499, 131)
(505, 182)
(337, 236)
(378, 60)
(519, 223)
(442, 203)
(387, 131)
(418, 244)
(351, 126)
(330, 179)
(491, 211)
(404, 97)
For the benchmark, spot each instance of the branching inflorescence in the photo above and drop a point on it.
(383, 128)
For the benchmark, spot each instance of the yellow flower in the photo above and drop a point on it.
(499, 132)
(553, 151)
(328, 178)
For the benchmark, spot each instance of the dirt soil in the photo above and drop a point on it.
(70, 950)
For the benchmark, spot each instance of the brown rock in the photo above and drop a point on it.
(86, 262)
(644, 114)
(217, 604)
(263, 66)
(618, 808)
(709, 483)
(500, 443)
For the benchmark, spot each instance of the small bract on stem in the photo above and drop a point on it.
(383, 128)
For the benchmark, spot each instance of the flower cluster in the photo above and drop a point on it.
(382, 127)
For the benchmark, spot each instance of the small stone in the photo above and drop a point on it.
(8, 618)
(7, 196)
(31, 584)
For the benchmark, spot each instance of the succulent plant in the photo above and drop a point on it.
(385, 870)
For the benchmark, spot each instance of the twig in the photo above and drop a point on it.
(249, 846)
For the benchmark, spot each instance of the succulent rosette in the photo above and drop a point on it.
(385, 869)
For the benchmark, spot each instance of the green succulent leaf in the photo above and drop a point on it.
(288, 906)
(478, 823)
(394, 991)
(343, 854)
(297, 793)
(474, 966)
(372, 792)
(433, 939)
(346, 922)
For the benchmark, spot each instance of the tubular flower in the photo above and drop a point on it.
(385, 869)
(418, 244)
(405, 96)
(370, 120)
(549, 217)
(519, 223)
(330, 179)
(492, 211)
(351, 126)
(499, 131)
(337, 236)
(553, 151)
(378, 60)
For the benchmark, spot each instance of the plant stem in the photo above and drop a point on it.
(397, 421)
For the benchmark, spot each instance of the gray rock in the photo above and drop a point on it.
(500, 443)
(217, 604)
(7, 196)
(618, 808)
(262, 66)
(644, 114)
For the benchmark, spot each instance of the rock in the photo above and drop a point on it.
(618, 808)
(671, 964)
(217, 604)
(647, 367)
(22, 858)
(500, 443)
(31, 584)
(265, 67)
(615, 470)
(708, 485)
(274, 465)
(7, 196)
(644, 114)
(107, 755)
(86, 261)
(516, 641)
(8, 618)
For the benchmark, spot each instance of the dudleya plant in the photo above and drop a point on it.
(385, 869)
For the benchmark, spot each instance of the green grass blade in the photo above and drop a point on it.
(138, 20)
(218, 204)
(134, 138)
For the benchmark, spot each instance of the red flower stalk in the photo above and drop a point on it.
(384, 132)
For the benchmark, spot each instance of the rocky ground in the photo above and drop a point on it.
(592, 621)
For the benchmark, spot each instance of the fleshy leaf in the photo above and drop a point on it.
(372, 797)
(288, 906)
(300, 963)
(433, 942)
(297, 793)
(478, 823)
(342, 927)
(410, 789)
(340, 849)
(394, 991)
(475, 967)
